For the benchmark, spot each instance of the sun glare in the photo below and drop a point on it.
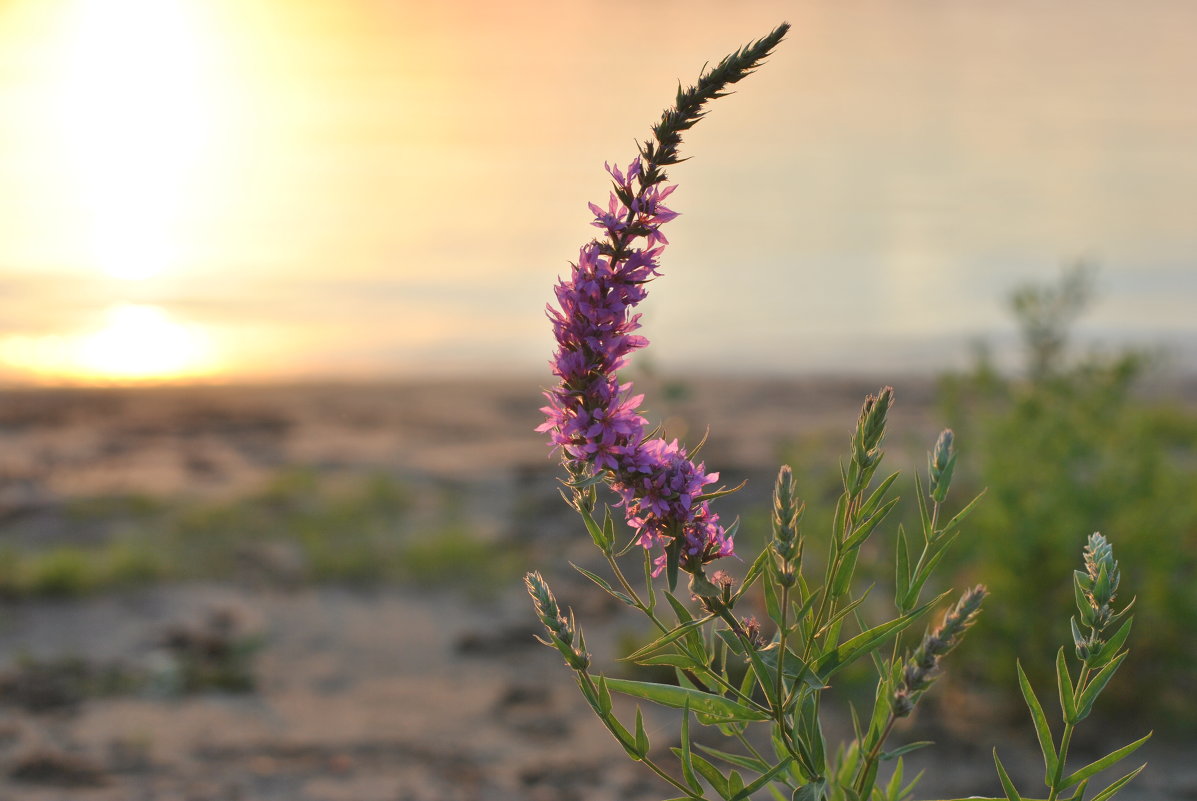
(132, 102)
(137, 344)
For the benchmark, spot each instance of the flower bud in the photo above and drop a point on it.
(940, 464)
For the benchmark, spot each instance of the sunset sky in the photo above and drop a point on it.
(264, 189)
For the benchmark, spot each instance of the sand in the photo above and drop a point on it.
(358, 693)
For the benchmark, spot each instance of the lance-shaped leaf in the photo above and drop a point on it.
(1109, 760)
(1042, 731)
(712, 775)
(665, 640)
(760, 781)
(901, 571)
(866, 527)
(684, 753)
(862, 643)
(754, 572)
(598, 533)
(739, 760)
(716, 706)
(1007, 785)
(1066, 691)
(1084, 704)
(1112, 645)
(793, 667)
(641, 735)
(1119, 784)
(602, 583)
(954, 524)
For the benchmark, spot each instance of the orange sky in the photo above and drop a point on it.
(252, 189)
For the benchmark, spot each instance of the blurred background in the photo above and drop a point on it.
(272, 339)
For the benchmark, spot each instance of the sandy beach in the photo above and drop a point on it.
(339, 690)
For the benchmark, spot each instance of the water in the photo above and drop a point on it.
(380, 188)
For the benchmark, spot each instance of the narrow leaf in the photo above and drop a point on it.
(602, 583)
(874, 499)
(955, 522)
(712, 775)
(1066, 691)
(754, 572)
(665, 639)
(811, 791)
(1042, 731)
(865, 528)
(1089, 694)
(901, 571)
(688, 764)
(739, 760)
(1113, 644)
(1118, 785)
(760, 781)
(862, 643)
(1007, 785)
(641, 735)
(905, 749)
(716, 706)
(1105, 762)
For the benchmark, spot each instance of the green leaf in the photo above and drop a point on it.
(1110, 759)
(596, 531)
(739, 760)
(811, 791)
(683, 661)
(602, 583)
(754, 572)
(1096, 685)
(685, 751)
(1007, 785)
(641, 735)
(901, 571)
(715, 706)
(916, 586)
(761, 781)
(875, 499)
(924, 512)
(679, 608)
(665, 640)
(772, 602)
(842, 581)
(793, 667)
(955, 522)
(1066, 691)
(604, 696)
(735, 784)
(906, 749)
(862, 643)
(865, 528)
(1119, 784)
(712, 775)
(719, 493)
(843, 613)
(1113, 644)
(1042, 731)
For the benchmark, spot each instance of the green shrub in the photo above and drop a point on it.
(1070, 449)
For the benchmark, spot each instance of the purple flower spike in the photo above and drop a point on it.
(593, 418)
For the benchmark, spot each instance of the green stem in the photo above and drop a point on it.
(1066, 739)
(874, 752)
(781, 650)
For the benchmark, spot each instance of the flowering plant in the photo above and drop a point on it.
(733, 673)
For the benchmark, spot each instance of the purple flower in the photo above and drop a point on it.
(592, 417)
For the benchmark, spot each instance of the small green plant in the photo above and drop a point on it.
(762, 685)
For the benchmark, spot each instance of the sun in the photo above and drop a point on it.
(136, 344)
(133, 96)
